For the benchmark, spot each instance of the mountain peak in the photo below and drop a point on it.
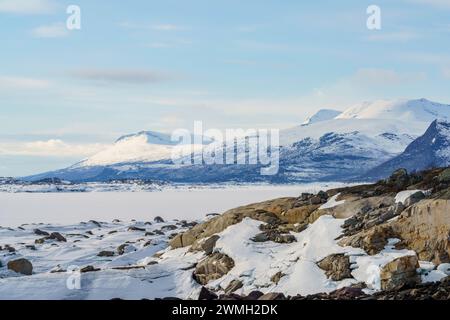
(321, 115)
(422, 110)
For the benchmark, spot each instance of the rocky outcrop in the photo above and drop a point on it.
(292, 211)
(22, 266)
(205, 245)
(372, 241)
(425, 228)
(336, 267)
(399, 273)
(213, 267)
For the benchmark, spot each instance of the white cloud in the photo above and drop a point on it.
(27, 6)
(382, 77)
(23, 83)
(56, 30)
(132, 76)
(49, 148)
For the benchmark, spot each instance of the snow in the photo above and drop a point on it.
(170, 273)
(321, 115)
(331, 203)
(405, 110)
(402, 196)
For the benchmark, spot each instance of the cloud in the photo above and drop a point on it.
(130, 76)
(154, 27)
(49, 148)
(8, 82)
(27, 6)
(56, 30)
(382, 77)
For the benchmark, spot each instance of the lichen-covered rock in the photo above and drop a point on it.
(213, 267)
(336, 267)
(233, 286)
(399, 273)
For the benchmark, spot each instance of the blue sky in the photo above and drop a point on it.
(160, 65)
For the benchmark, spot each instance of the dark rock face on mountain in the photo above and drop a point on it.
(431, 150)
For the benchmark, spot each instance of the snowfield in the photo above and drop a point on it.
(169, 203)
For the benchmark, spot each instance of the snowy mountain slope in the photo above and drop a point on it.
(430, 150)
(143, 146)
(421, 110)
(322, 115)
(361, 137)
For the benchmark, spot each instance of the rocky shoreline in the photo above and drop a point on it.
(384, 241)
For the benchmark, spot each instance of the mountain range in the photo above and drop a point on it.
(364, 142)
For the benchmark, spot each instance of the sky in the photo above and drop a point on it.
(161, 65)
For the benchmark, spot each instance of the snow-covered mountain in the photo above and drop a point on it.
(143, 146)
(323, 148)
(430, 150)
(321, 115)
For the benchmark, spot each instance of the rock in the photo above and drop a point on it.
(56, 236)
(133, 228)
(106, 254)
(206, 294)
(125, 248)
(9, 248)
(444, 176)
(169, 227)
(322, 195)
(372, 241)
(41, 233)
(233, 286)
(414, 198)
(425, 228)
(315, 200)
(254, 295)
(275, 236)
(22, 266)
(89, 269)
(206, 245)
(399, 273)
(96, 223)
(158, 219)
(272, 296)
(277, 277)
(212, 268)
(39, 241)
(336, 267)
(399, 179)
(30, 247)
(347, 293)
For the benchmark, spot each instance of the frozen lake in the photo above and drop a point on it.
(64, 208)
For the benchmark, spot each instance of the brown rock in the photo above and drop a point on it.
(22, 266)
(272, 296)
(233, 286)
(336, 266)
(399, 273)
(212, 268)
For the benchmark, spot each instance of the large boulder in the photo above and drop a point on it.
(336, 267)
(213, 267)
(399, 273)
(425, 228)
(22, 266)
(372, 240)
